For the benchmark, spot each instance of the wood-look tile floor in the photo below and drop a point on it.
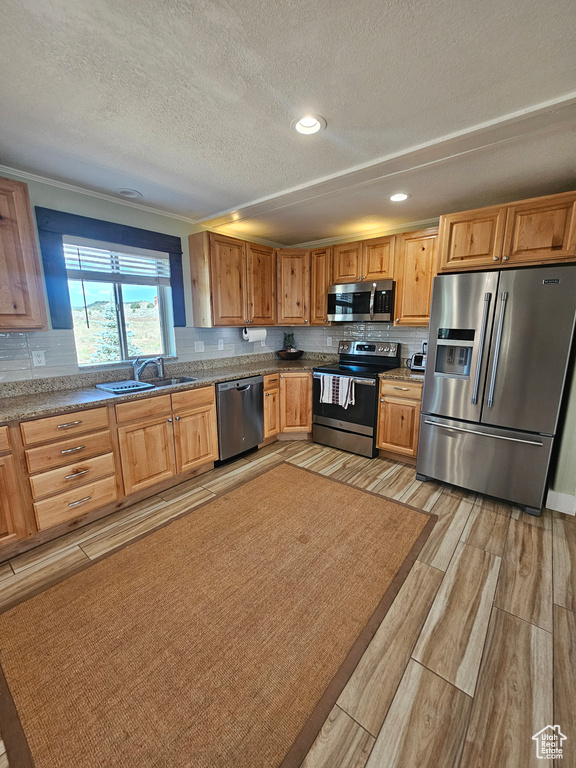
(477, 652)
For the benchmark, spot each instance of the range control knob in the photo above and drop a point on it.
(344, 346)
(380, 349)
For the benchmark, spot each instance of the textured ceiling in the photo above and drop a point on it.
(191, 102)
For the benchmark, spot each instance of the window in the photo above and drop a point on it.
(121, 301)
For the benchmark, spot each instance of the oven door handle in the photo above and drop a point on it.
(368, 382)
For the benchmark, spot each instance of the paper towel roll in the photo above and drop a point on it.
(254, 334)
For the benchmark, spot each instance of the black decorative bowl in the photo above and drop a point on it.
(289, 354)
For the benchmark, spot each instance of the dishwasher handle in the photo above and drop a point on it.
(244, 388)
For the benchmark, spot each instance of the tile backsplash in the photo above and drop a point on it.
(16, 349)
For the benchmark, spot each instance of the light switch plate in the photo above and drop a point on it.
(220, 345)
(262, 343)
(38, 358)
(328, 341)
(198, 346)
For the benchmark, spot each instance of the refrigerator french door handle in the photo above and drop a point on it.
(487, 299)
(372, 295)
(483, 434)
(490, 400)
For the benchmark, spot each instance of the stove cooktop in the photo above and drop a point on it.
(365, 358)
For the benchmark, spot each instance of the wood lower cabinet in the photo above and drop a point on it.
(22, 305)
(320, 280)
(399, 417)
(293, 286)
(295, 402)
(271, 405)
(147, 453)
(12, 525)
(182, 436)
(416, 254)
(233, 281)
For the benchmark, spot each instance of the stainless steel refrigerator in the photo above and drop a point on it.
(498, 356)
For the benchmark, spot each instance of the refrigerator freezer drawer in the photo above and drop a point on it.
(498, 462)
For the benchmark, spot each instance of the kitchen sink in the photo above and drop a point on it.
(170, 382)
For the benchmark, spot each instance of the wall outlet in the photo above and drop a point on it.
(220, 345)
(38, 358)
(198, 346)
(262, 343)
(328, 341)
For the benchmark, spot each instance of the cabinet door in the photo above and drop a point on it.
(261, 284)
(22, 304)
(347, 258)
(321, 278)
(542, 230)
(228, 280)
(293, 286)
(415, 267)
(398, 425)
(11, 521)
(271, 413)
(196, 437)
(471, 239)
(147, 453)
(378, 258)
(296, 402)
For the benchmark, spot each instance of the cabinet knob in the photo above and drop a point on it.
(281, 375)
(169, 421)
(505, 258)
(381, 399)
(305, 321)
(494, 258)
(177, 418)
(357, 277)
(363, 277)
(267, 394)
(397, 319)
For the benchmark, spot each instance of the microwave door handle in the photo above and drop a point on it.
(487, 299)
(372, 294)
(490, 400)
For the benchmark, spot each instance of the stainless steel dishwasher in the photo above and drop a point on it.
(240, 406)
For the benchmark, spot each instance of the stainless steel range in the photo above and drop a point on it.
(345, 395)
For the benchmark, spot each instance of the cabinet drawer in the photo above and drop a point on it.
(79, 501)
(72, 475)
(59, 427)
(4, 440)
(58, 454)
(191, 398)
(409, 389)
(272, 381)
(142, 409)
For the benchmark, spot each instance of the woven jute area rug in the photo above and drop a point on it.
(221, 639)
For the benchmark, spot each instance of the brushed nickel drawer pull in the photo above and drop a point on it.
(80, 501)
(69, 424)
(404, 389)
(72, 450)
(76, 474)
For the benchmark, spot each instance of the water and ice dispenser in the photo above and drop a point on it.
(454, 352)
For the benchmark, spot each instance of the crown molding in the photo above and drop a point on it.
(99, 195)
(412, 226)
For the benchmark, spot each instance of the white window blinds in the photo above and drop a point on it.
(102, 264)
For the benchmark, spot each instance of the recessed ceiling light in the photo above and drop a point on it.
(126, 192)
(398, 197)
(308, 124)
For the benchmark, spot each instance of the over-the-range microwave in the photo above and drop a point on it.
(361, 302)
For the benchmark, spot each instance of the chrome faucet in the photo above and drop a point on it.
(139, 367)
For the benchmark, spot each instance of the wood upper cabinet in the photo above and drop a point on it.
(147, 453)
(228, 279)
(261, 284)
(293, 286)
(541, 230)
(537, 231)
(471, 239)
(296, 401)
(399, 417)
(22, 305)
(378, 258)
(347, 259)
(233, 282)
(320, 280)
(416, 255)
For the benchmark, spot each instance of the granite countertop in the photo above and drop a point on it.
(403, 374)
(39, 404)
